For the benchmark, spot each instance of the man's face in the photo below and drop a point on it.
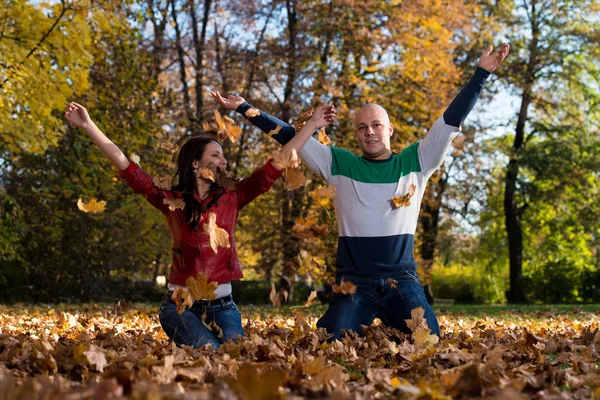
(373, 130)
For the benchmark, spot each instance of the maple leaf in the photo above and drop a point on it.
(275, 131)
(286, 159)
(169, 147)
(218, 236)
(226, 129)
(294, 178)
(252, 384)
(311, 297)
(226, 180)
(89, 354)
(134, 158)
(403, 201)
(323, 138)
(345, 287)
(308, 228)
(303, 119)
(182, 299)
(174, 203)
(322, 195)
(164, 182)
(252, 112)
(93, 206)
(417, 319)
(423, 336)
(200, 288)
(208, 173)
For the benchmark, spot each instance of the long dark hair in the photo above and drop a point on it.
(191, 151)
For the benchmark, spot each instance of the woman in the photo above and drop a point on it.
(188, 207)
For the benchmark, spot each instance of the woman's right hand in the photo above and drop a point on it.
(78, 116)
(231, 102)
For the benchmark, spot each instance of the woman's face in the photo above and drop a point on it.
(213, 153)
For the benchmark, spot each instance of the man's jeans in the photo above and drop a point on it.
(377, 298)
(187, 328)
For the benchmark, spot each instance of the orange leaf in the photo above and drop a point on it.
(169, 146)
(252, 112)
(182, 298)
(218, 236)
(163, 183)
(302, 119)
(294, 178)
(323, 195)
(208, 173)
(287, 159)
(323, 138)
(275, 131)
(403, 201)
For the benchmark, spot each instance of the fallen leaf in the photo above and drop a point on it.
(345, 287)
(92, 206)
(423, 336)
(164, 182)
(174, 203)
(403, 201)
(218, 236)
(200, 288)
(252, 112)
(253, 383)
(96, 358)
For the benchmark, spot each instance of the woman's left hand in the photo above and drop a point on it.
(489, 61)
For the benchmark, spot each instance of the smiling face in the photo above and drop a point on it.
(373, 130)
(213, 153)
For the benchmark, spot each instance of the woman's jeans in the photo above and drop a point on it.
(377, 298)
(189, 329)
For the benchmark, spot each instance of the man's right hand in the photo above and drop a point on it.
(323, 116)
(231, 102)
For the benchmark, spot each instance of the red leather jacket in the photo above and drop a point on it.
(191, 248)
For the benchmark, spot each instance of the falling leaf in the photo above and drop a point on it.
(308, 228)
(92, 206)
(169, 147)
(252, 112)
(323, 138)
(311, 298)
(226, 129)
(417, 319)
(294, 178)
(403, 201)
(274, 131)
(134, 158)
(303, 119)
(200, 288)
(286, 159)
(207, 173)
(322, 195)
(278, 298)
(393, 283)
(174, 203)
(345, 287)
(218, 236)
(163, 183)
(182, 299)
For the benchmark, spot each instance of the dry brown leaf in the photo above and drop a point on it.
(200, 288)
(169, 147)
(308, 228)
(182, 299)
(252, 384)
(322, 194)
(174, 203)
(286, 159)
(404, 201)
(163, 183)
(345, 287)
(294, 178)
(417, 319)
(423, 336)
(223, 128)
(93, 206)
(208, 173)
(218, 236)
(252, 112)
(323, 138)
(303, 119)
(393, 283)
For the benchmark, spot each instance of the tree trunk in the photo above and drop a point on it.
(199, 41)
(181, 61)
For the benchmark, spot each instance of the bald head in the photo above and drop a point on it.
(373, 130)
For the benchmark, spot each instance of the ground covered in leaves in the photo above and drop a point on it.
(105, 351)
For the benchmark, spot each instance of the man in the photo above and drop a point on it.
(376, 234)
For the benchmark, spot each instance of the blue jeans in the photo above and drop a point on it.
(377, 298)
(187, 328)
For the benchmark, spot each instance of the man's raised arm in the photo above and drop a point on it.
(263, 121)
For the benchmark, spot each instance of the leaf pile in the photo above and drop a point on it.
(93, 351)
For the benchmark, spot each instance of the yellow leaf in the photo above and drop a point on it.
(294, 178)
(218, 236)
(275, 131)
(163, 183)
(423, 336)
(286, 159)
(323, 138)
(93, 206)
(323, 195)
